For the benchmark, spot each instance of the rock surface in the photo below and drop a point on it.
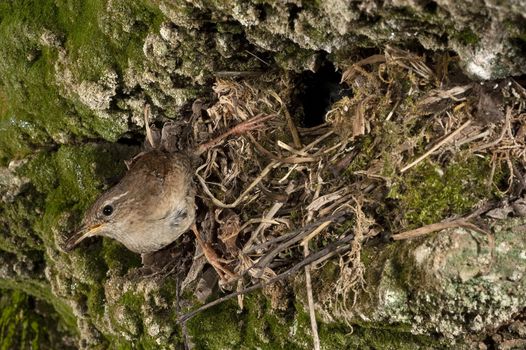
(455, 283)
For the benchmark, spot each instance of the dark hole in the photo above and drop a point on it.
(521, 80)
(519, 44)
(294, 11)
(443, 39)
(317, 92)
(30, 303)
(431, 7)
(131, 139)
(262, 12)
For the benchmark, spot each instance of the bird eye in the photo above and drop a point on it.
(107, 210)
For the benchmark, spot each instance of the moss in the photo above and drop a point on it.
(363, 157)
(20, 219)
(361, 335)
(127, 316)
(96, 41)
(429, 193)
(95, 301)
(257, 326)
(24, 323)
(64, 184)
(269, 328)
(217, 328)
(294, 58)
(380, 339)
(37, 113)
(40, 291)
(261, 327)
(119, 259)
(337, 335)
(466, 37)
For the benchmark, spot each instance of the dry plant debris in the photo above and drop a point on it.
(413, 144)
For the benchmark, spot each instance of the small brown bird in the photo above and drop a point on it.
(149, 208)
(154, 203)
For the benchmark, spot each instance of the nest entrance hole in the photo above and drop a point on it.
(317, 92)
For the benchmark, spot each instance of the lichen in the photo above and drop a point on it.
(452, 282)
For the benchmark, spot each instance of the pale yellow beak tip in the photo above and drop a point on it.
(78, 237)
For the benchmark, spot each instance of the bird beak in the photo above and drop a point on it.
(79, 236)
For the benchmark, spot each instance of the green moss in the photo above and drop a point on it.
(20, 219)
(337, 335)
(39, 290)
(119, 259)
(132, 301)
(97, 41)
(24, 323)
(429, 193)
(261, 327)
(362, 334)
(126, 317)
(37, 112)
(95, 301)
(257, 326)
(384, 339)
(267, 328)
(217, 328)
(64, 183)
(364, 156)
(294, 58)
(466, 37)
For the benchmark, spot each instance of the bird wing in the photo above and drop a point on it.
(160, 182)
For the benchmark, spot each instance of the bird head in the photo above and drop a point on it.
(104, 218)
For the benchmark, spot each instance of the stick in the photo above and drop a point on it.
(220, 204)
(290, 123)
(293, 233)
(265, 260)
(149, 135)
(241, 128)
(270, 215)
(288, 160)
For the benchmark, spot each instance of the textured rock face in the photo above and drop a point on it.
(455, 282)
(74, 76)
(487, 36)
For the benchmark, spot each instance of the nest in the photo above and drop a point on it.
(283, 198)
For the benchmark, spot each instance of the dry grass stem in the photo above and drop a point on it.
(425, 230)
(335, 248)
(310, 299)
(442, 142)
